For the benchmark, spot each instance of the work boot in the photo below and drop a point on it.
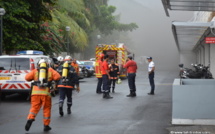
(104, 95)
(61, 111)
(151, 93)
(47, 128)
(108, 96)
(69, 108)
(113, 90)
(129, 95)
(28, 124)
(132, 94)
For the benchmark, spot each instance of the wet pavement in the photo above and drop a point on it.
(91, 114)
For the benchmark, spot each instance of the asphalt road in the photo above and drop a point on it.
(91, 114)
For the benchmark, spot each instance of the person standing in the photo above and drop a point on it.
(98, 72)
(40, 95)
(131, 67)
(105, 78)
(66, 85)
(114, 73)
(151, 72)
(75, 66)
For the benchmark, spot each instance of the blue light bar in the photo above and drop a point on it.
(30, 52)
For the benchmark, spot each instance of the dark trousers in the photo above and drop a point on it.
(99, 85)
(113, 83)
(151, 81)
(131, 81)
(65, 92)
(105, 81)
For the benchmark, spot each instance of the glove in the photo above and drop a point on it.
(77, 88)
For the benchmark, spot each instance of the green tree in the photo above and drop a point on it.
(22, 23)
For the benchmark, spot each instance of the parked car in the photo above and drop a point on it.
(13, 69)
(89, 66)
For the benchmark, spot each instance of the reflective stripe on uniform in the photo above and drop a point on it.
(32, 113)
(69, 102)
(46, 118)
(40, 92)
(98, 75)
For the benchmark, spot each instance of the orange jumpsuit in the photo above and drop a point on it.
(41, 95)
(76, 67)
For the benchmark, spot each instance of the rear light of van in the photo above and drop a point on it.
(32, 64)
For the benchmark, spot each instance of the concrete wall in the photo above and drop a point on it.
(187, 58)
(212, 59)
(207, 56)
(193, 102)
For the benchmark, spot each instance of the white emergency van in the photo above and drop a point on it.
(13, 69)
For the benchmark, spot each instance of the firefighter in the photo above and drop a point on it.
(105, 78)
(40, 95)
(114, 74)
(75, 66)
(98, 72)
(68, 80)
(131, 67)
(60, 62)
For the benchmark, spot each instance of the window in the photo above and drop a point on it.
(14, 64)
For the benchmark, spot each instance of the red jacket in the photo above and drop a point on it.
(131, 66)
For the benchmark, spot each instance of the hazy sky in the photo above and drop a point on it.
(154, 36)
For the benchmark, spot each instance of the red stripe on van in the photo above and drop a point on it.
(20, 85)
(27, 85)
(13, 86)
(5, 86)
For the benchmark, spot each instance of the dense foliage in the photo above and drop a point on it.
(40, 24)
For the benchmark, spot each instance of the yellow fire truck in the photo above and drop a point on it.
(118, 52)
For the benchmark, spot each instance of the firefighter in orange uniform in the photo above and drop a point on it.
(40, 96)
(98, 71)
(75, 66)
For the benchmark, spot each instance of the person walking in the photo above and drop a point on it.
(66, 84)
(40, 95)
(105, 78)
(114, 73)
(131, 67)
(98, 72)
(151, 72)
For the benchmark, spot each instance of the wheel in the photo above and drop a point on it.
(2, 96)
(85, 73)
(88, 73)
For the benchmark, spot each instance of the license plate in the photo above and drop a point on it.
(4, 78)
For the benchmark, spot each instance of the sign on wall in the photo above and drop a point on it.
(210, 40)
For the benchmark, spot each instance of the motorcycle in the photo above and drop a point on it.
(199, 72)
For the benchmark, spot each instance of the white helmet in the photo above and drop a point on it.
(42, 61)
(68, 58)
(60, 58)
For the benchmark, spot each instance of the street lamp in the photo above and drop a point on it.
(2, 12)
(98, 38)
(67, 29)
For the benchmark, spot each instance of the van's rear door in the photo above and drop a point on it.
(12, 73)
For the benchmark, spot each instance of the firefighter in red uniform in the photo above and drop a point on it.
(105, 78)
(98, 72)
(131, 67)
(114, 73)
(40, 95)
